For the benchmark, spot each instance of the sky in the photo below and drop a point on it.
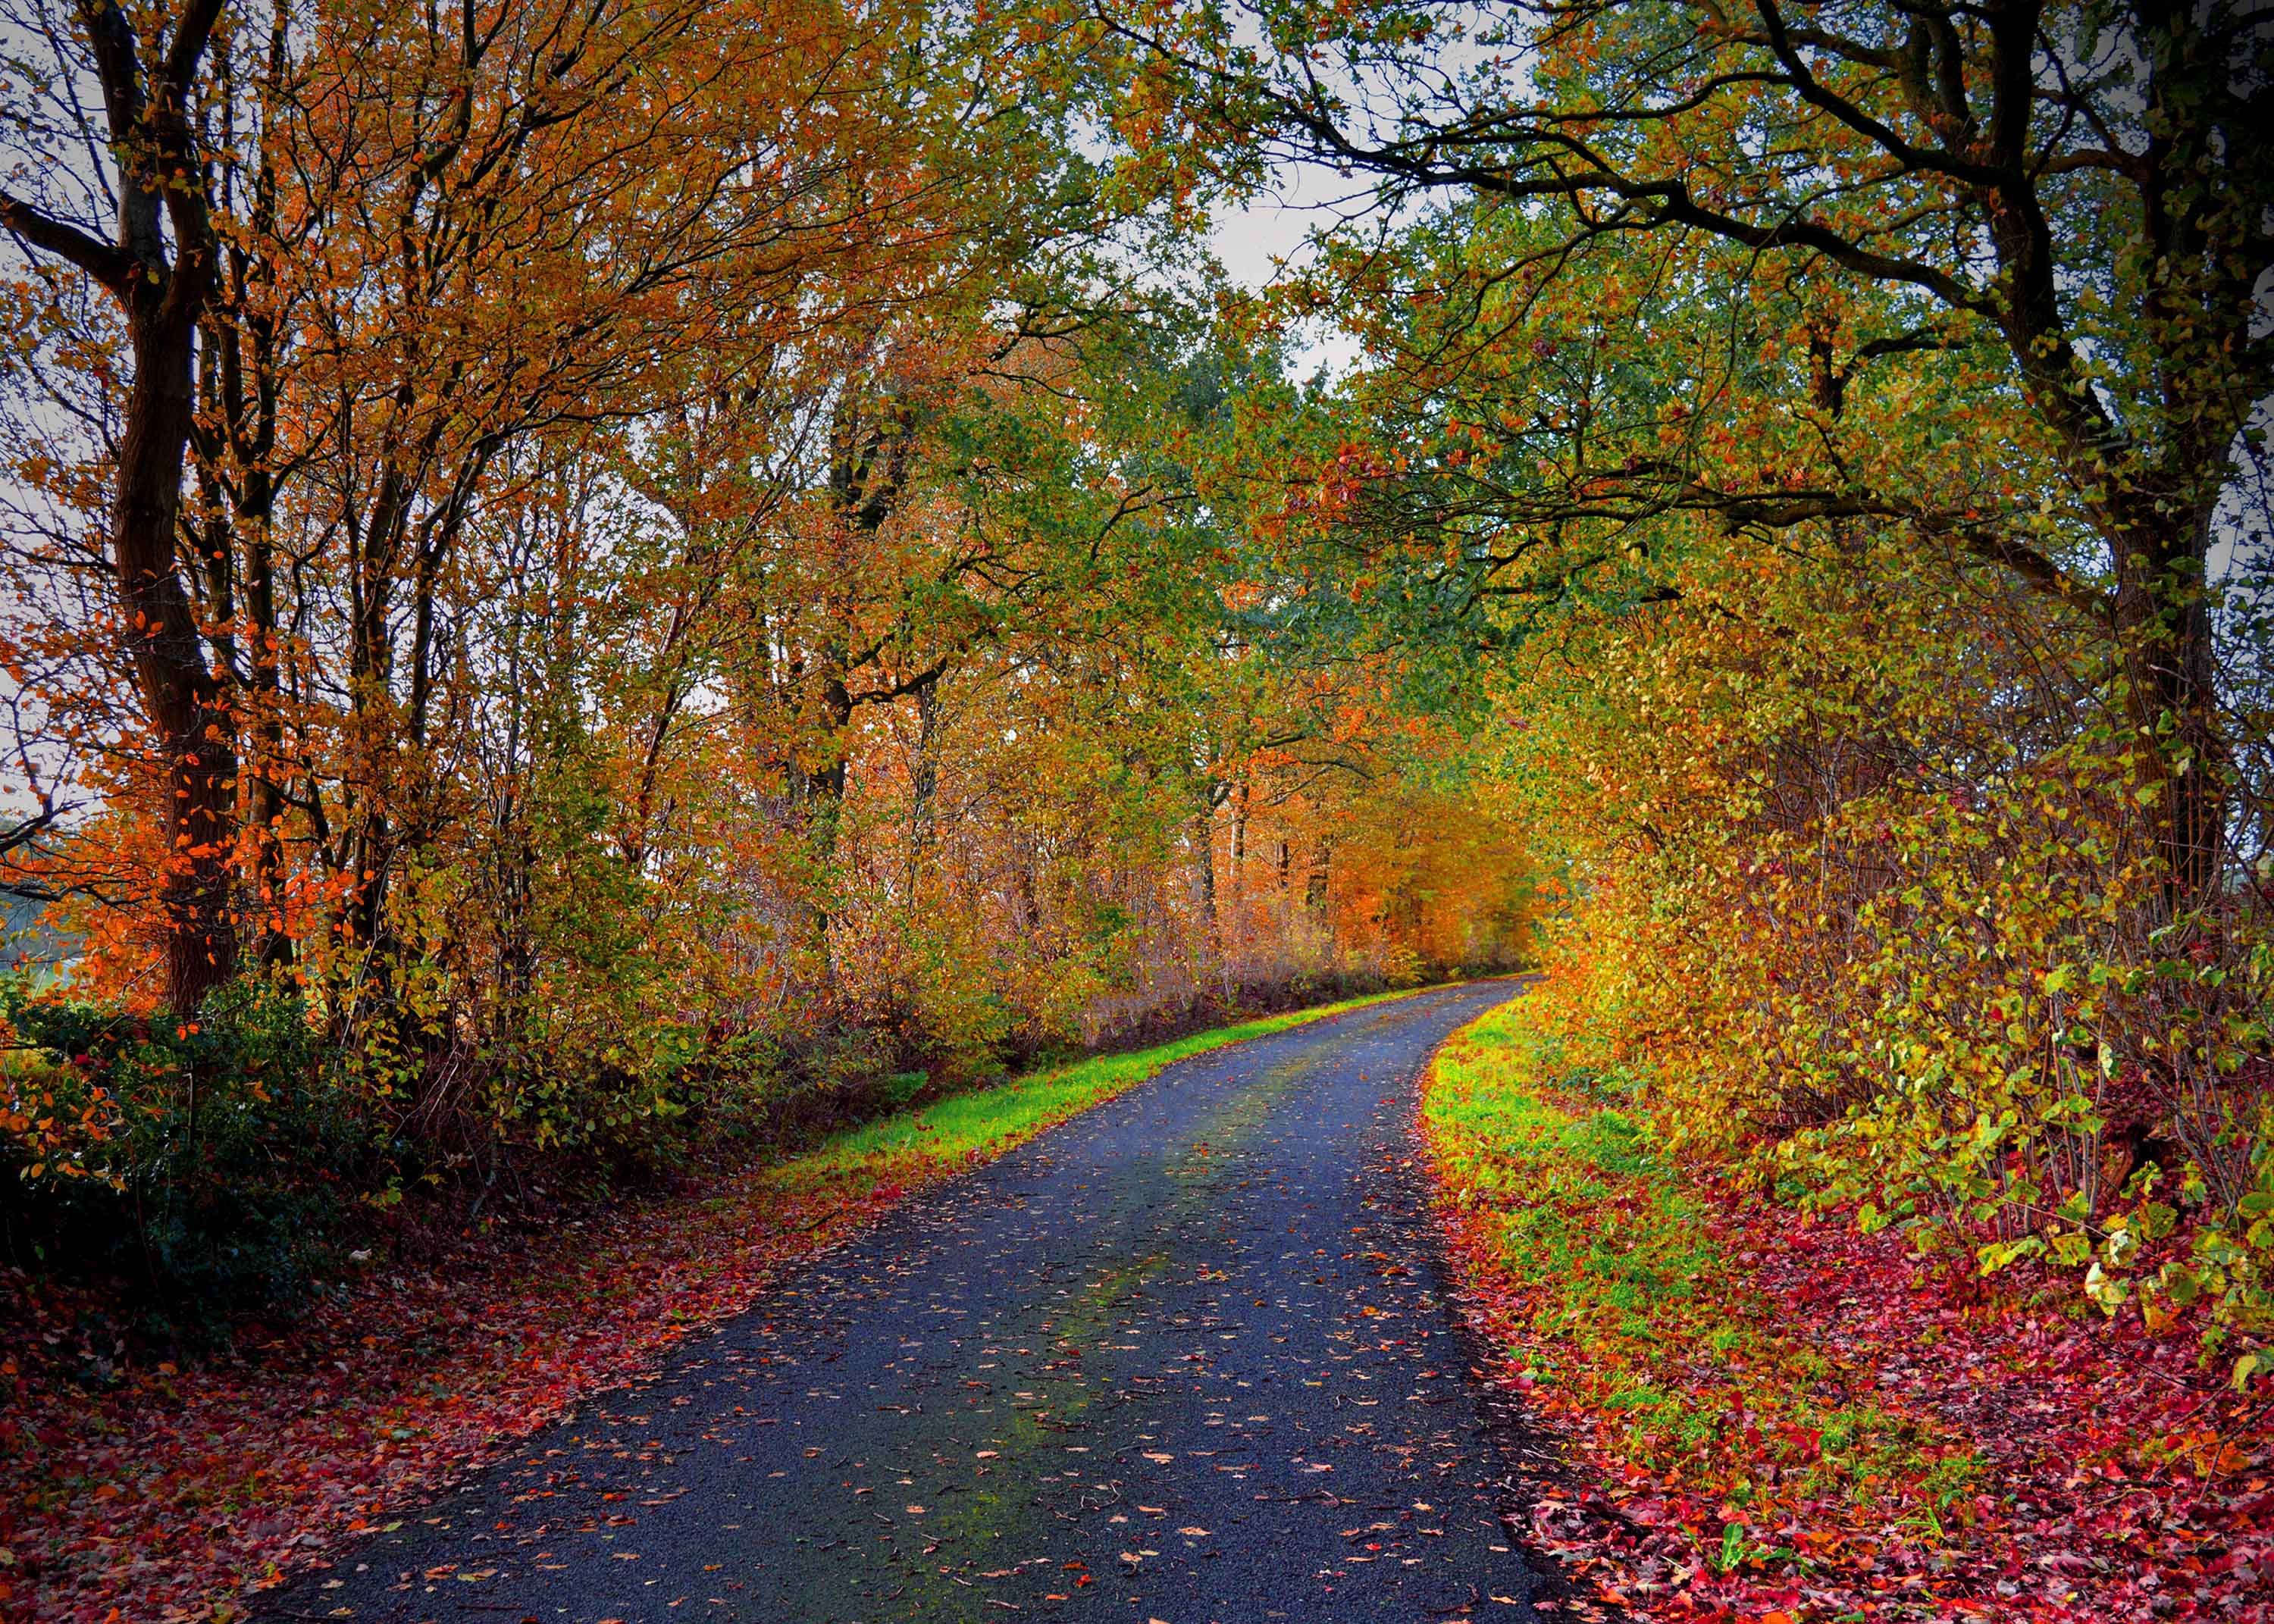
(1252, 243)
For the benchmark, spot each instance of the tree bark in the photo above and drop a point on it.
(923, 812)
(2163, 619)
(178, 690)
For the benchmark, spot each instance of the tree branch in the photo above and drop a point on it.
(190, 41)
(111, 266)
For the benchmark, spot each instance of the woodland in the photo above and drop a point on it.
(595, 591)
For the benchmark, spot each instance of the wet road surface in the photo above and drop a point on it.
(1184, 1358)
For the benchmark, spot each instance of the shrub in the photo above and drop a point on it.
(209, 1159)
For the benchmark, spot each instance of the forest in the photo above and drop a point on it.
(634, 632)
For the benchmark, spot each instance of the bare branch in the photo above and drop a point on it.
(108, 265)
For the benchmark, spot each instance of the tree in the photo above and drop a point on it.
(2082, 187)
(159, 265)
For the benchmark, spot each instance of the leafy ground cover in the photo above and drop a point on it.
(1771, 1416)
(146, 1489)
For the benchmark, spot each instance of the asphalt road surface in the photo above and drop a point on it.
(1186, 1358)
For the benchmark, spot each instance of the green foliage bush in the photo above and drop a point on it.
(212, 1161)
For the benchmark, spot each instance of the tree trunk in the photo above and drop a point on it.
(269, 771)
(183, 700)
(1204, 870)
(2164, 622)
(164, 179)
(240, 389)
(924, 814)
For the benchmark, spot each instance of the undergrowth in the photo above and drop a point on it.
(1623, 1303)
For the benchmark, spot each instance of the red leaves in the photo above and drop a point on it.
(2098, 1500)
(2055, 1466)
(171, 1487)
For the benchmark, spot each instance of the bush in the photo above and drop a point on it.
(206, 1159)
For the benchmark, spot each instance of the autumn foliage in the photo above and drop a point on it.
(1832, 438)
(681, 596)
(589, 589)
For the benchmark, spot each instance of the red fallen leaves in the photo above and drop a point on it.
(2120, 1481)
(164, 1493)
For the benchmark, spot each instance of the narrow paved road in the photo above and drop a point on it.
(1184, 1358)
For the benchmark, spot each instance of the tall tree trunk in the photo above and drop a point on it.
(868, 476)
(233, 457)
(183, 700)
(824, 807)
(269, 771)
(1204, 870)
(163, 291)
(2163, 616)
(164, 295)
(923, 784)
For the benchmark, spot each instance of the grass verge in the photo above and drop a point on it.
(1768, 1416)
(1620, 1291)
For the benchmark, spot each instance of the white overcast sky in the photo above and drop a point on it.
(1255, 241)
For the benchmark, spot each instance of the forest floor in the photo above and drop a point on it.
(1773, 1419)
(1185, 1358)
(144, 1489)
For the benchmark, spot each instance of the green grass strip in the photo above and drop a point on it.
(985, 1124)
(1614, 1276)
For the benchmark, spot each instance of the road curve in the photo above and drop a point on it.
(1186, 1357)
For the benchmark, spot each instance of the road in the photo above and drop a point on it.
(1187, 1357)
